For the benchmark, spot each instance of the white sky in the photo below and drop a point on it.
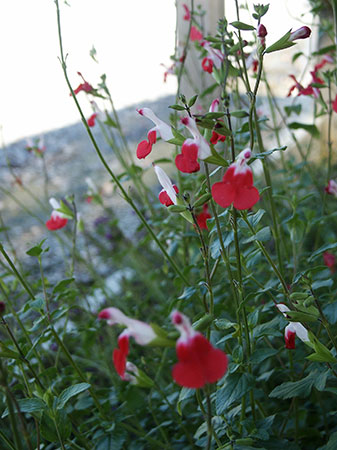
(132, 38)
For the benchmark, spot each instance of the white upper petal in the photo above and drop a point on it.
(166, 183)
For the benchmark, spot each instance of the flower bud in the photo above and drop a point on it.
(301, 33)
(261, 31)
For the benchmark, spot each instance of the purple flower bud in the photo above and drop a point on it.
(2, 308)
(261, 31)
(301, 33)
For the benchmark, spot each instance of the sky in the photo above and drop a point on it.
(132, 38)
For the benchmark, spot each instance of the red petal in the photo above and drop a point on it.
(144, 148)
(164, 198)
(152, 137)
(246, 197)
(290, 340)
(199, 363)
(55, 223)
(187, 161)
(120, 354)
(223, 193)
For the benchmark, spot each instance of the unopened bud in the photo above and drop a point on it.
(261, 31)
(301, 33)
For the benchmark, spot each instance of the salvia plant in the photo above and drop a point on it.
(221, 333)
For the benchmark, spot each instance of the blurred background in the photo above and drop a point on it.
(132, 38)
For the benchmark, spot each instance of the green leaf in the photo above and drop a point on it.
(177, 107)
(62, 285)
(70, 392)
(235, 387)
(322, 283)
(108, 121)
(6, 352)
(28, 405)
(188, 293)
(48, 429)
(311, 129)
(323, 249)
(290, 389)
(261, 354)
(282, 43)
(262, 235)
(296, 109)
(202, 200)
(192, 100)
(239, 113)
(113, 441)
(184, 394)
(176, 208)
(34, 251)
(242, 26)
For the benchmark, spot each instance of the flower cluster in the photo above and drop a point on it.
(198, 363)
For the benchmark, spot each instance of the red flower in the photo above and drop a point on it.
(207, 65)
(216, 137)
(57, 219)
(164, 197)
(120, 354)
(329, 260)
(331, 188)
(289, 337)
(237, 185)
(144, 148)
(198, 361)
(203, 216)
(187, 15)
(85, 86)
(195, 34)
(56, 222)
(187, 160)
(92, 120)
(164, 131)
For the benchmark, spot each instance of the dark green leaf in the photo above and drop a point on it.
(177, 107)
(28, 405)
(62, 285)
(235, 387)
(70, 392)
(290, 389)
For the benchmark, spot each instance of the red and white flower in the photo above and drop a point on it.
(57, 219)
(142, 333)
(214, 58)
(300, 33)
(85, 86)
(293, 329)
(145, 147)
(168, 195)
(237, 185)
(331, 188)
(192, 149)
(198, 361)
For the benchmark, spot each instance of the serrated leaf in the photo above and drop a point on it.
(28, 405)
(290, 389)
(235, 387)
(70, 392)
